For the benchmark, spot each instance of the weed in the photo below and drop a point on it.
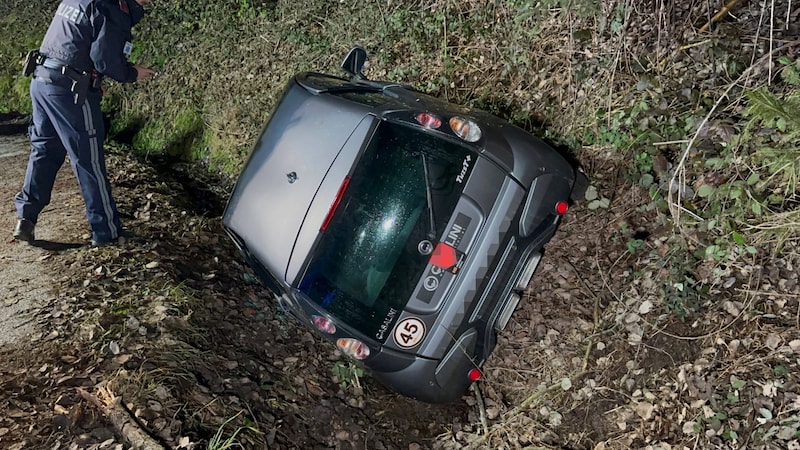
(348, 374)
(762, 194)
(221, 441)
(779, 156)
(680, 291)
(791, 70)
(623, 128)
(595, 199)
(732, 397)
(633, 245)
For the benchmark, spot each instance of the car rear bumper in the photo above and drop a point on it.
(428, 380)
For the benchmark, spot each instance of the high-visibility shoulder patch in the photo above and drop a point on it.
(123, 5)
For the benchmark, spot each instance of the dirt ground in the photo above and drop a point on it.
(172, 326)
(189, 319)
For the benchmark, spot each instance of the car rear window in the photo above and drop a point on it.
(367, 263)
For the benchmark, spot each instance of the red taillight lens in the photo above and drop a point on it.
(324, 324)
(335, 204)
(353, 348)
(428, 120)
(474, 375)
(561, 208)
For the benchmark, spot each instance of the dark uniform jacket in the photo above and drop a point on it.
(94, 35)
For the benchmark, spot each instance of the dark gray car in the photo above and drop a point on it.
(400, 226)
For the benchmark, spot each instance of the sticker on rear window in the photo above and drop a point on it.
(409, 332)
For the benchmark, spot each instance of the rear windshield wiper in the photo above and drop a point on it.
(429, 197)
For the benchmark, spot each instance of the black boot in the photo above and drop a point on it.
(124, 236)
(24, 230)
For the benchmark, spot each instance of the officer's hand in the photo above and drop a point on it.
(143, 73)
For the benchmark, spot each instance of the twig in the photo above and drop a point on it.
(481, 408)
(758, 33)
(588, 353)
(683, 208)
(771, 31)
(603, 277)
(125, 425)
(696, 44)
(681, 141)
(768, 294)
(725, 9)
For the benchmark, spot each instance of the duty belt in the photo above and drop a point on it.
(52, 63)
(56, 64)
(81, 81)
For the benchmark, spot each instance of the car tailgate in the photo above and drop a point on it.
(280, 180)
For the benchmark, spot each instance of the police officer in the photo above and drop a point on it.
(86, 40)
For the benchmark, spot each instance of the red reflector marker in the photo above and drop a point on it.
(474, 375)
(561, 208)
(428, 120)
(335, 204)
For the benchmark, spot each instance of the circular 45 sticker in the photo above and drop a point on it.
(409, 332)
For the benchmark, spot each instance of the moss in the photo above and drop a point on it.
(150, 138)
(178, 135)
(184, 136)
(220, 155)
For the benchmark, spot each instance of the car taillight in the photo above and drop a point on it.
(353, 348)
(324, 324)
(561, 208)
(465, 129)
(335, 204)
(474, 375)
(428, 120)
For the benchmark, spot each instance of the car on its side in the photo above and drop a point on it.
(400, 226)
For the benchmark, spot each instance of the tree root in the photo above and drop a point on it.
(123, 422)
